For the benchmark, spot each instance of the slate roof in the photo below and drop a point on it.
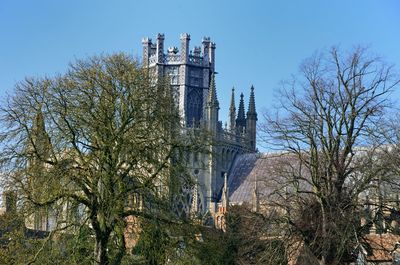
(248, 168)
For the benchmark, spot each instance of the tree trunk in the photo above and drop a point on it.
(121, 247)
(100, 251)
(102, 238)
(325, 243)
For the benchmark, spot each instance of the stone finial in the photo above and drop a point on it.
(196, 51)
(172, 50)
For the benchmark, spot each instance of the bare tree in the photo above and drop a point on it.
(94, 146)
(254, 238)
(324, 123)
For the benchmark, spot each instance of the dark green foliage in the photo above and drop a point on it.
(22, 247)
(215, 248)
(153, 243)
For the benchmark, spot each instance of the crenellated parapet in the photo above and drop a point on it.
(196, 59)
(153, 53)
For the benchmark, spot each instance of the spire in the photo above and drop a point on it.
(252, 104)
(241, 119)
(212, 94)
(232, 112)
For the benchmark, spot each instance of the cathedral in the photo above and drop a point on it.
(192, 76)
(231, 171)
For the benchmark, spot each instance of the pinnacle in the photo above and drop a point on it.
(252, 104)
(232, 108)
(212, 94)
(241, 119)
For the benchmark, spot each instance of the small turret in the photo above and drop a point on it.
(206, 49)
(241, 119)
(160, 48)
(212, 56)
(251, 121)
(185, 39)
(146, 42)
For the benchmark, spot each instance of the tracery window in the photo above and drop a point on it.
(194, 107)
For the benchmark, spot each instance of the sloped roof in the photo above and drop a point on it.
(255, 167)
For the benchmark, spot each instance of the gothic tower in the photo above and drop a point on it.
(192, 76)
(189, 72)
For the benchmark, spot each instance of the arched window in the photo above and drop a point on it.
(194, 107)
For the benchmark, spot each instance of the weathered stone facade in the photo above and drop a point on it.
(192, 76)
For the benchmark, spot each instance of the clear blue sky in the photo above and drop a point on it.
(258, 42)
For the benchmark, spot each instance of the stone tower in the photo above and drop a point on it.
(192, 76)
(190, 72)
